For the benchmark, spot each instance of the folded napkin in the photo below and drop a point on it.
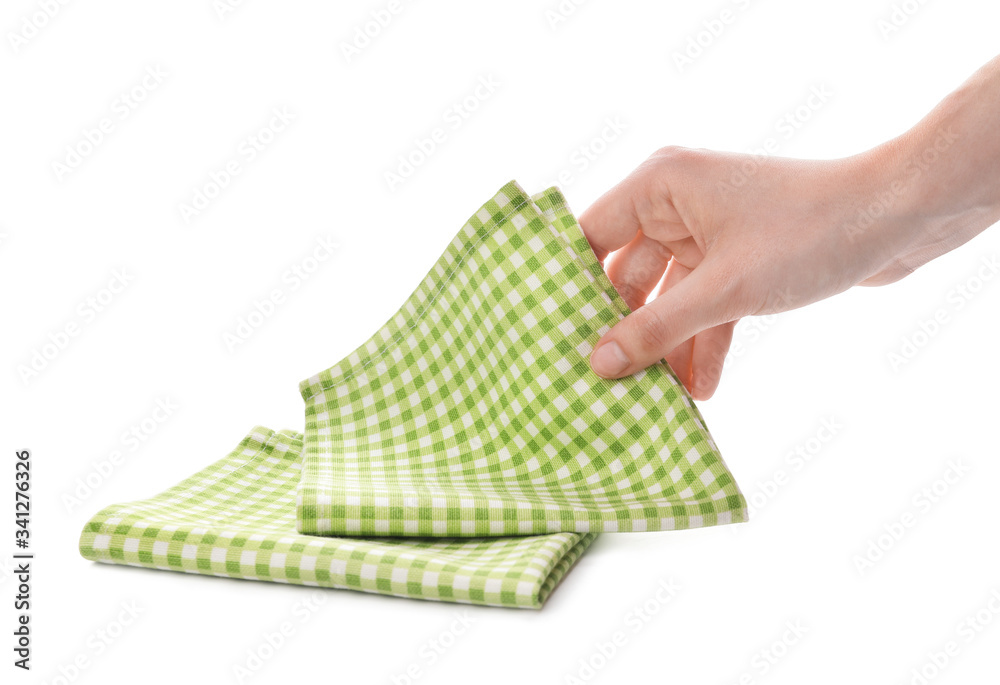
(474, 412)
(236, 518)
(465, 453)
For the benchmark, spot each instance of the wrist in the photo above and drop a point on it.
(938, 181)
(887, 210)
(914, 193)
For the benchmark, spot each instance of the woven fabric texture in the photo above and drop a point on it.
(474, 412)
(465, 453)
(236, 518)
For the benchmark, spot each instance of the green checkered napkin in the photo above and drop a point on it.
(474, 411)
(236, 518)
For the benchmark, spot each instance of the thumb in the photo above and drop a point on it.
(652, 331)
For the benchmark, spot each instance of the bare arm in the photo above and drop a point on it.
(794, 232)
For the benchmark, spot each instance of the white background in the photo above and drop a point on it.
(163, 336)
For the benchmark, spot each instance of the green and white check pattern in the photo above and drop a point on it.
(474, 412)
(236, 519)
(465, 453)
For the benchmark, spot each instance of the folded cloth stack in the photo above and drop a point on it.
(466, 452)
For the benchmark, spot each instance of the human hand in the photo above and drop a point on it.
(792, 233)
(775, 243)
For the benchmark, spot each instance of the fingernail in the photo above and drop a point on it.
(609, 360)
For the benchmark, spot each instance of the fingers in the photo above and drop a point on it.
(643, 201)
(637, 268)
(708, 359)
(638, 220)
(679, 358)
(612, 222)
(651, 332)
(698, 362)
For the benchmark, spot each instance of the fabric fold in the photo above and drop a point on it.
(464, 453)
(236, 518)
(473, 411)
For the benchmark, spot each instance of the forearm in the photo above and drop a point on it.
(943, 175)
(740, 236)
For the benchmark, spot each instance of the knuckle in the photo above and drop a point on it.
(667, 152)
(649, 331)
(681, 156)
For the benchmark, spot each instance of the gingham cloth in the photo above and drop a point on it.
(236, 518)
(470, 427)
(474, 412)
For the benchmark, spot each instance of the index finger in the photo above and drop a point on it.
(612, 221)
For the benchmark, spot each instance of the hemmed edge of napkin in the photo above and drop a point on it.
(561, 566)
(552, 199)
(106, 535)
(507, 201)
(511, 198)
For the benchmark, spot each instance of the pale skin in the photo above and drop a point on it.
(721, 236)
